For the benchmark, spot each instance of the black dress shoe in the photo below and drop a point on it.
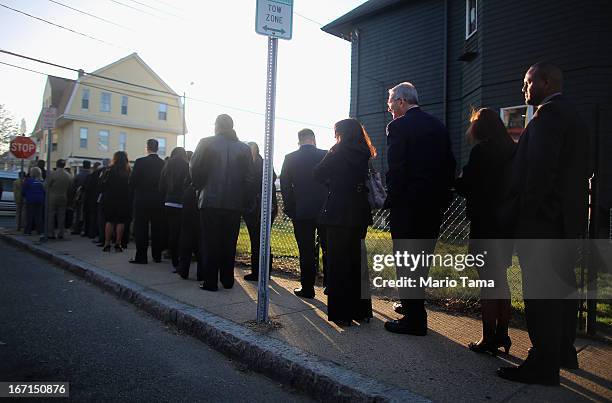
(569, 360)
(406, 327)
(529, 374)
(207, 287)
(251, 277)
(134, 261)
(228, 286)
(342, 322)
(300, 292)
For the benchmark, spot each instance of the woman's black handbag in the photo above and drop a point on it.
(376, 191)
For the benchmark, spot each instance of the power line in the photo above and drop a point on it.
(60, 26)
(308, 19)
(178, 107)
(169, 5)
(137, 9)
(157, 9)
(92, 15)
(85, 73)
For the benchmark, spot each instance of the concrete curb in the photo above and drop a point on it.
(321, 379)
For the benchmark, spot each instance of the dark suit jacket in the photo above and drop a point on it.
(222, 168)
(550, 171)
(421, 163)
(144, 181)
(483, 183)
(303, 197)
(345, 170)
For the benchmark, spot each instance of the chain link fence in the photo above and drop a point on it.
(454, 233)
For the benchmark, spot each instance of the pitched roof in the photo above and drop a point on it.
(343, 26)
(61, 88)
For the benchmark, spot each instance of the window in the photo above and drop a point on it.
(83, 137)
(471, 18)
(122, 141)
(54, 141)
(103, 140)
(85, 99)
(124, 102)
(105, 102)
(161, 151)
(162, 112)
(515, 119)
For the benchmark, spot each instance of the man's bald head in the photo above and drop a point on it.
(541, 81)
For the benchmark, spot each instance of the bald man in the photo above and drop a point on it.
(549, 194)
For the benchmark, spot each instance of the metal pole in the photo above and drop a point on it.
(266, 185)
(184, 124)
(49, 145)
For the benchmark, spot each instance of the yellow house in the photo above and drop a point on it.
(116, 108)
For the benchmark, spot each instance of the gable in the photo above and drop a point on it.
(131, 69)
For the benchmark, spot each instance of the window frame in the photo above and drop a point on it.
(163, 106)
(86, 131)
(160, 141)
(107, 140)
(528, 115)
(122, 141)
(469, 34)
(102, 103)
(124, 104)
(85, 97)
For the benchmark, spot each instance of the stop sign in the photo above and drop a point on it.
(22, 147)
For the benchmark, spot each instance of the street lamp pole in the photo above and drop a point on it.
(184, 124)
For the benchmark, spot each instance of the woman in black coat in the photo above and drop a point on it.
(116, 199)
(483, 183)
(172, 181)
(346, 215)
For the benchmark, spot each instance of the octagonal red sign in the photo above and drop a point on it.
(22, 147)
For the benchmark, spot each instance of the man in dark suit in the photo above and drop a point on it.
(421, 172)
(549, 199)
(222, 170)
(148, 204)
(303, 199)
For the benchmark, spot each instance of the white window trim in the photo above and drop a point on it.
(107, 138)
(86, 138)
(110, 102)
(468, 35)
(123, 135)
(165, 148)
(165, 111)
(86, 90)
(530, 111)
(124, 97)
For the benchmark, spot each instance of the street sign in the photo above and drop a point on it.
(274, 18)
(22, 147)
(49, 117)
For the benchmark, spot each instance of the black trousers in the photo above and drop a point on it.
(145, 217)
(347, 275)
(414, 230)
(34, 213)
(305, 235)
(190, 242)
(91, 220)
(173, 220)
(550, 292)
(220, 228)
(253, 223)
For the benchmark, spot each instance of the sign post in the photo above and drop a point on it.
(274, 19)
(49, 117)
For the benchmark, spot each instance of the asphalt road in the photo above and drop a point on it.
(57, 327)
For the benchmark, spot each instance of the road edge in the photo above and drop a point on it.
(319, 378)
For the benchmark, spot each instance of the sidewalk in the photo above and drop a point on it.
(438, 367)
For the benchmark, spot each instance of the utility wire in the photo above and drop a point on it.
(137, 9)
(157, 9)
(170, 5)
(60, 26)
(308, 19)
(178, 107)
(92, 15)
(85, 73)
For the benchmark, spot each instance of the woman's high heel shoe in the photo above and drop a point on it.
(504, 342)
(484, 347)
(118, 248)
(106, 248)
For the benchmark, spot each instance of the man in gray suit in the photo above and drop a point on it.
(58, 184)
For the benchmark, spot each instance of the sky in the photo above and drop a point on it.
(205, 48)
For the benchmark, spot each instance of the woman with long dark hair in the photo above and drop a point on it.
(172, 182)
(116, 199)
(346, 215)
(482, 183)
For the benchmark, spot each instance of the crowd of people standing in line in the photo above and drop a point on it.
(192, 205)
